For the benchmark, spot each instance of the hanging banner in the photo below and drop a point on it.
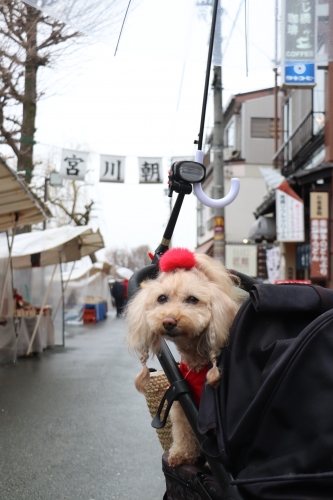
(150, 170)
(73, 165)
(112, 168)
(289, 217)
(273, 263)
(298, 43)
(319, 235)
(289, 207)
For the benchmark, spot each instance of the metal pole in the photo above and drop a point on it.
(2, 299)
(64, 288)
(217, 146)
(46, 181)
(276, 135)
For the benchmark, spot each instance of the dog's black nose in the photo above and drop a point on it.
(169, 323)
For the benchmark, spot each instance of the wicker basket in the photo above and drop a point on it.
(155, 390)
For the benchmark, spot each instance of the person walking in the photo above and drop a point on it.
(117, 293)
(125, 284)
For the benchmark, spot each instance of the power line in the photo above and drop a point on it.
(233, 25)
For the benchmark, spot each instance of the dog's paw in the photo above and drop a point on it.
(176, 459)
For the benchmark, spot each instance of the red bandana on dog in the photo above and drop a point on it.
(177, 257)
(195, 379)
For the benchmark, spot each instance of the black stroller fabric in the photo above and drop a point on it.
(272, 414)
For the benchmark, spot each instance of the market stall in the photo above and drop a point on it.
(18, 207)
(36, 260)
(87, 288)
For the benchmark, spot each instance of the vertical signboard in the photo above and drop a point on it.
(218, 249)
(319, 235)
(289, 217)
(298, 43)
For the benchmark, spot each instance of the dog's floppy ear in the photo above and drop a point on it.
(223, 310)
(224, 306)
(137, 337)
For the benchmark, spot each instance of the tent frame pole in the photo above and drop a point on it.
(41, 311)
(3, 292)
(64, 287)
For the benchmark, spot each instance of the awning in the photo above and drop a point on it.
(124, 272)
(267, 206)
(44, 248)
(310, 175)
(17, 202)
(206, 248)
(92, 269)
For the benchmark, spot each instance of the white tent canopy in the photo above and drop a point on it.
(124, 272)
(65, 244)
(97, 267)
(18, 205)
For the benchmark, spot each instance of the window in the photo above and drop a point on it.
(262, 128)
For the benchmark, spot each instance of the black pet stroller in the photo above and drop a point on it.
(267, 431)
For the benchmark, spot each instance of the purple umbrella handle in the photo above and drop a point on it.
(210, 202)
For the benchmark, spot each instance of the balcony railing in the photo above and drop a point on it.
(289, 156)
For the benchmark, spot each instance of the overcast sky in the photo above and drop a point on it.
(147, 101)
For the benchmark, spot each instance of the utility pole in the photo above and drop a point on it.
(217, 145)
(218, 164)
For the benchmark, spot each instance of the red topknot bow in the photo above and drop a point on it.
(177, 257)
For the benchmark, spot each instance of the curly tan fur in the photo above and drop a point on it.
(201, 329)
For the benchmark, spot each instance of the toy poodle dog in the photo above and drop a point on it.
(192, 302)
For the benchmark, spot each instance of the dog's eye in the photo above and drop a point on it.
(192, 300)
(162, 299)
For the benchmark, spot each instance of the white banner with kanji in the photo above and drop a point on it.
(150, 170)
(273, 264)
(73, 164)
(289, 217)
(112, 168)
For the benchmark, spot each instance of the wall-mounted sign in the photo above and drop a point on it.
(150, 170)
(242, 258)
(319, 235)
(73, 164)
(112, 168)
(289, 217)
(298, 42)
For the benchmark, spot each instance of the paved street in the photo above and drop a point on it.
(73, 427)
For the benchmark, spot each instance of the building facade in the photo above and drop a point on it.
(305, 158)
(248, 145)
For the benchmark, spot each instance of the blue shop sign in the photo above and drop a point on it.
(299, 73)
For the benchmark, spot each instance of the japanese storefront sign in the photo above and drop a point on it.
(150, 170)
(289, 217)
(219, 238)
(273, 263)
(319, 235)
(112, 168)
(299, 42)
(73, 165)
(242, 258)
